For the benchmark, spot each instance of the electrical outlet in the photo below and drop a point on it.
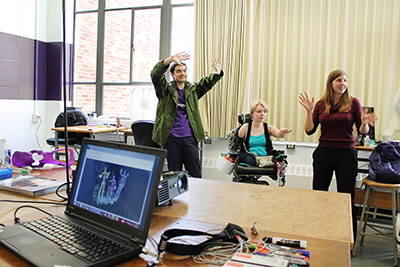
(35, 116)
(290, 146)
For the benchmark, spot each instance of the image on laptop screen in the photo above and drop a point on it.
(115, 183)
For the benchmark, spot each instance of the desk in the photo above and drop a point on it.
(363, 159)
(211, 205)
(127, 132)
(88, 129)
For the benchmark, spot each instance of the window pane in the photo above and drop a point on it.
(82, 5)
(131, 3)
(117, 39)
(146, 43)
(84, 97)
(116, 101)
(182, 34)
(144, 103)
(85, 47)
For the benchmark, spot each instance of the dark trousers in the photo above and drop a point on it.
(183, 151)
(344, 163)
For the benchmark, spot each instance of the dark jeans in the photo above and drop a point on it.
(249, 159)
(183, 151)
(344, 163)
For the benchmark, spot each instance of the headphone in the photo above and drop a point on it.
(231, 233)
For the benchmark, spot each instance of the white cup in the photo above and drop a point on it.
(385, 137)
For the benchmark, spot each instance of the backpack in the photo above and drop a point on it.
(233, 139)
(384, 164)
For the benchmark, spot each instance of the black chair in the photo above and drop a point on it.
(142, 131)
(74, 118)
(252, 174)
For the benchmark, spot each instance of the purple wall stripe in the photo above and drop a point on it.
(31, 69)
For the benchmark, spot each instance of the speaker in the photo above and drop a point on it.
(171, 185)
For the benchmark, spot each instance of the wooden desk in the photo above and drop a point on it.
(363, 159)
(88, 129)
(321, 218)
(127, 132)
(303, 212)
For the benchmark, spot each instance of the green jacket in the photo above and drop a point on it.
(167, 95)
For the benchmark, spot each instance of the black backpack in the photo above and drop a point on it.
(233, 139)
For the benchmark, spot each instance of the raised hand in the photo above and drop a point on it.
(178, 58)
(306, 102)
(217, 66)
(368, 118)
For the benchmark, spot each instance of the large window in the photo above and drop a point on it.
(116, 45)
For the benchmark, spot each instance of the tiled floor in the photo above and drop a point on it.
(376, 252)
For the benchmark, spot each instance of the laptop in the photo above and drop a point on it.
(113, 197)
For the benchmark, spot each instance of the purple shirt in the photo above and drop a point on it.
(181, 126)
(337, 127)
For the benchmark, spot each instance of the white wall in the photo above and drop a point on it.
(17, 127)
(40, 20)
(36, 19)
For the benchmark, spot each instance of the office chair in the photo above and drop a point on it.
(142, 131)
(74, 118)
(252, 174)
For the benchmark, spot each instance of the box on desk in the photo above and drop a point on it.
(5, 173)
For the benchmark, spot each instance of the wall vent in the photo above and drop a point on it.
(209, 162)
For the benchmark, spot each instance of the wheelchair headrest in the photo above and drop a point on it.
(244, 118)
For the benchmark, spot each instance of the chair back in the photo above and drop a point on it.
(142, 131)
(74, 118)
(244, 118)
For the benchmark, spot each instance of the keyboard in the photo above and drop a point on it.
(75, 240)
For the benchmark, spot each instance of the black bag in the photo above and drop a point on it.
(233, 139)
(384, 164)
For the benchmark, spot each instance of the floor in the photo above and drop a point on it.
(376, 252)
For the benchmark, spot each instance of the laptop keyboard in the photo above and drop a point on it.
(75, 240)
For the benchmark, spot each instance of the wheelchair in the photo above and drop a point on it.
(252, 174)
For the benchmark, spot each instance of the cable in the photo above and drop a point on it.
(255, 230)
(17, 220)
(153, 242)
(220, 252)
(58, 193)
(154, 245)
(33, 202)
(36, 135)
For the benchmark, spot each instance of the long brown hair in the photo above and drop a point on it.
(345, 100)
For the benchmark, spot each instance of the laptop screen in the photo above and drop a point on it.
(117, 181)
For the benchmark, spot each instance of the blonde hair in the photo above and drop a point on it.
(256, 103)
(345, 100)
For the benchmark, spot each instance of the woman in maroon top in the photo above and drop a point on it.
(337, 112)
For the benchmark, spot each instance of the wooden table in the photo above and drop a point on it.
(323, 219)
(127, 132)
(87, 129)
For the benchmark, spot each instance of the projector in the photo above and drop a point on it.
(171, 185)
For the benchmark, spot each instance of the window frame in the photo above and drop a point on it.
(164, 47)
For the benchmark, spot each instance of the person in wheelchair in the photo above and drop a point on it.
(254, 139)
(258, 139)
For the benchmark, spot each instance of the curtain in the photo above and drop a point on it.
(274, 50)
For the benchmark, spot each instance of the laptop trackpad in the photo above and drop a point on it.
(42, 252)
(25, 240)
